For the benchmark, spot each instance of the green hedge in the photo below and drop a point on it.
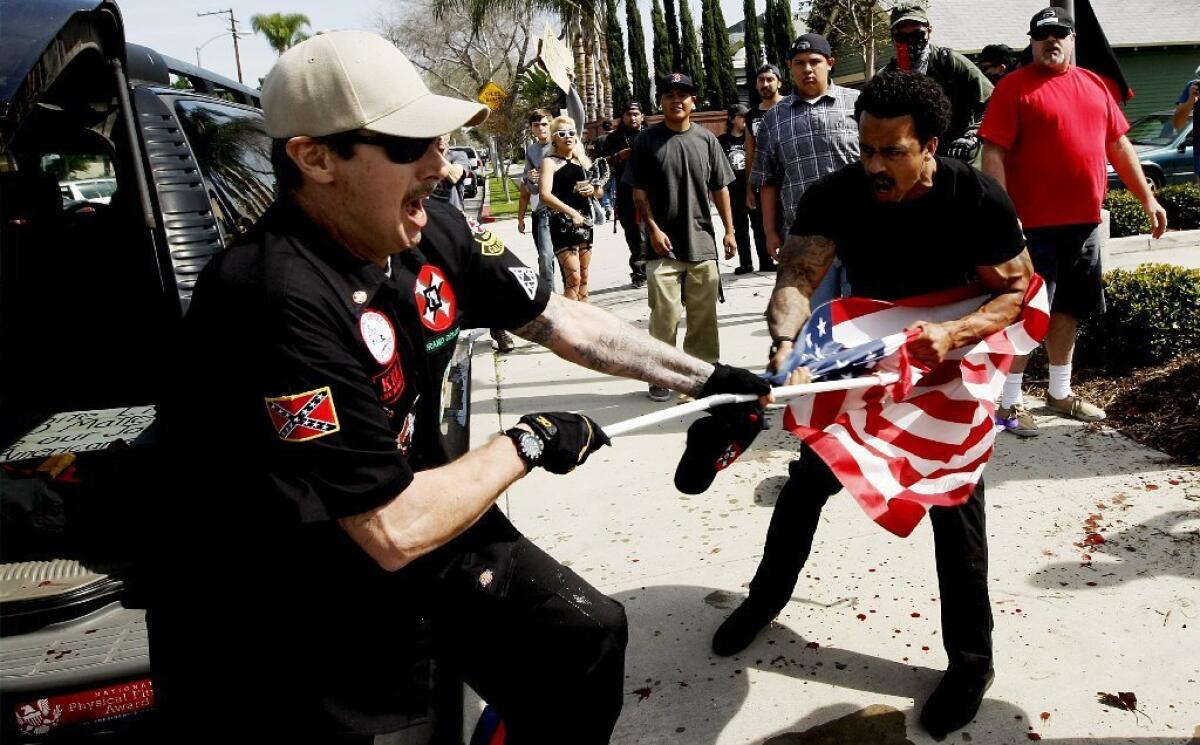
(1126, 216)
(1152, 317)
(1181, 201)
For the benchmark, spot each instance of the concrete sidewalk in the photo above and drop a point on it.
(860, 642)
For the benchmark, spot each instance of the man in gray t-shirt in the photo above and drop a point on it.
(674, 168)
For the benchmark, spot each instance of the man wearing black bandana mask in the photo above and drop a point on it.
(965, 85)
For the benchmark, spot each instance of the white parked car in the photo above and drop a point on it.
(88, 190)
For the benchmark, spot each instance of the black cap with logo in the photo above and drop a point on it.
(677, 81)
(810, 43)
(1051, 17)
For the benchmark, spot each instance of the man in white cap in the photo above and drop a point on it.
(329, 549)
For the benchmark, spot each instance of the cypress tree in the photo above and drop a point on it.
(614, 48)
(691, 48)
(638, 67)
(754, 55)
(785, 32)
(724, 69)
(710, 54)
(660, 46)
(673, 34)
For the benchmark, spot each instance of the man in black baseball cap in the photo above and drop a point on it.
(676, 81)
(811, 43)
(1050, 18)
(616, 150)
(964, 83)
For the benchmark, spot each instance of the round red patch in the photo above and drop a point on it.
(435, 299)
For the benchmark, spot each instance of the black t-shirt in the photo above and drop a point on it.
(735, 153)
(753, 119)
(677, 170)
(620, 138)
(309, 388)
(894, 250)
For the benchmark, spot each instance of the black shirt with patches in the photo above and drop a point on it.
(894, 250)
(309, 389)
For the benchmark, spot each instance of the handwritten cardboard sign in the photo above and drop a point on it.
(80, 431)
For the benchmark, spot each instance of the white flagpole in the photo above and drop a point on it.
(781, 394)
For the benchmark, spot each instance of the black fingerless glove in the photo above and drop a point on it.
(726, 379)
(567, 439)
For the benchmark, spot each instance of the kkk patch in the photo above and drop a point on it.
(379, 336)
(435, 299)
(390, 383)
(304, 416)
(528, 279)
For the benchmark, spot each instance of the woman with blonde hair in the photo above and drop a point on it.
(566, 190)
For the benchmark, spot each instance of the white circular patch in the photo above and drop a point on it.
(379, 335)
(359, 297)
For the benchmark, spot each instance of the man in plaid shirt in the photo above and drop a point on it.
(808, 134)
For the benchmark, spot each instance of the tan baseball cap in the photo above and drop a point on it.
(346, 80)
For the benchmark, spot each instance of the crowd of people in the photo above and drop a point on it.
(339, 308)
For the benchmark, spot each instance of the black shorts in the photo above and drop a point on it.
(1068, 258)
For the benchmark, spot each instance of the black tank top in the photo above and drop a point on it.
(566, 176)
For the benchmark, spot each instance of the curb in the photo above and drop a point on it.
(1173, 239)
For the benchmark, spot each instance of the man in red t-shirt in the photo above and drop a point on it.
(1049, 129)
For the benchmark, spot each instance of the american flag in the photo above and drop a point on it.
(921, 441)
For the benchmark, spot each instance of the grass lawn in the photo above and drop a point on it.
(500, 208)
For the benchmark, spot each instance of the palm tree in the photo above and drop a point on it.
(282, 30)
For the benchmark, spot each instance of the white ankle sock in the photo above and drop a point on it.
(1012, 390)
(1060, 381)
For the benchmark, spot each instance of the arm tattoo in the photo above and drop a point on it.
(598, 340)
(642, 201)
(803, 261)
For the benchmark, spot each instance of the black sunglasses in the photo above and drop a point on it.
(399, 150)
(1058, 32)
(909, 36)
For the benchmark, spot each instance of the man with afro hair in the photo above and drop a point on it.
(904, 221)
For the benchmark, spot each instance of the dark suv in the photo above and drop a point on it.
(90, 293)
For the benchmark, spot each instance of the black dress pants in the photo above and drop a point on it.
(635, 233)
(960, 545)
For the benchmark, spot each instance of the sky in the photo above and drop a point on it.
(172, 27)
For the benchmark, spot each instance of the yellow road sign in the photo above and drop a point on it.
(492, 95)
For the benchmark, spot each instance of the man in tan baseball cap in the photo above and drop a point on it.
(351, 542)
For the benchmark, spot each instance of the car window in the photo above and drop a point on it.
(234, 152)
(1155, 129)
(98, 189)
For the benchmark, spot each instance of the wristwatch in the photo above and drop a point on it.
(529, 446)
(776, 343)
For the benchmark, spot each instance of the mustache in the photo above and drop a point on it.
(421, 190)
(882, 181)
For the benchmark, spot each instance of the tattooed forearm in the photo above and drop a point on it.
(803, 261)
(641, 200)
(598, 340)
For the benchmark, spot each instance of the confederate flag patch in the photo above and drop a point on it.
(304, 416)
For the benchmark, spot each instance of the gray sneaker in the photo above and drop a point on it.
(658, 393)
(1075, 407)
(1017, 420)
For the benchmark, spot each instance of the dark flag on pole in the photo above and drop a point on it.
(1093, 52)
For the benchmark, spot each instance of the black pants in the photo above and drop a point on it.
(741, 223)
(534, 639)
(760, 237)
(635, 234)
(960, 545)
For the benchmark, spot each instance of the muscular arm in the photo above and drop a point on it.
(1007, 282)
(993, 161)
(803, 261)
(1124, 160)
(437, 506)
(598, 340)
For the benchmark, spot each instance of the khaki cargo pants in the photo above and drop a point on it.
(673, 285)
